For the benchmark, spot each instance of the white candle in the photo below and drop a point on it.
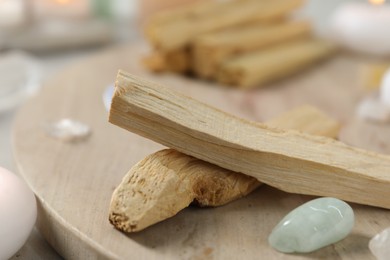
(363, 27)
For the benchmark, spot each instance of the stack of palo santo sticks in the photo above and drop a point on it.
(245, 43)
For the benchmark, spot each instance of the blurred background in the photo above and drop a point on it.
(40, 37)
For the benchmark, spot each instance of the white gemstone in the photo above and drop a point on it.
(380, 245)
(68, 130)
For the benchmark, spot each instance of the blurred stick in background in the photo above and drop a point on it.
(149, 8)
(170, 33)
(257, 68)
(211, 50)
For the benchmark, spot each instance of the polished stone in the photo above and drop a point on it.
(68, 130)
(380, 245)
(313, 225)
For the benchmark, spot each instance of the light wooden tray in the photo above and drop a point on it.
(74, 181)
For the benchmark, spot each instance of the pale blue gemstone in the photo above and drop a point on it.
(313, 225)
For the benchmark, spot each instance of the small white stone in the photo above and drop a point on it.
(107, 96)
(371, 108)
(380, 245)
(68, 130)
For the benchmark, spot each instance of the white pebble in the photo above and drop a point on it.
(68, 130)
(380, 245)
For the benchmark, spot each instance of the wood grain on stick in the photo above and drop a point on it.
(167, 181)
(288, 160)
(257, 68)
(175, 61)
(197, 10)
(172, 33)
(210, 50)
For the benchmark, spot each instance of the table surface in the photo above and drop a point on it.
(36, 247)
(81, 170)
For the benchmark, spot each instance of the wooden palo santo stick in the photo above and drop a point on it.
(197, 9)
(178, 33)
(288, 160)
(175, 61)
(257, 68)
(211, 50)
(167, 181)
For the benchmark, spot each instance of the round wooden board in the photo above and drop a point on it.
(74, 181)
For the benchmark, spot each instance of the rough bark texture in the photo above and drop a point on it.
(167, 181)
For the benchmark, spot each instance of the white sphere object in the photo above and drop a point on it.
(385, 89)
(18, 213)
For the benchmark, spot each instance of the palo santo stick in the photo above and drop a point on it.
(211, 50)
(309, 120)
(257, 68)
(164, 183)
(288, 160)
(198, 9)
(175, 61)
(155, 62)
(179, 33)
(167, 181)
